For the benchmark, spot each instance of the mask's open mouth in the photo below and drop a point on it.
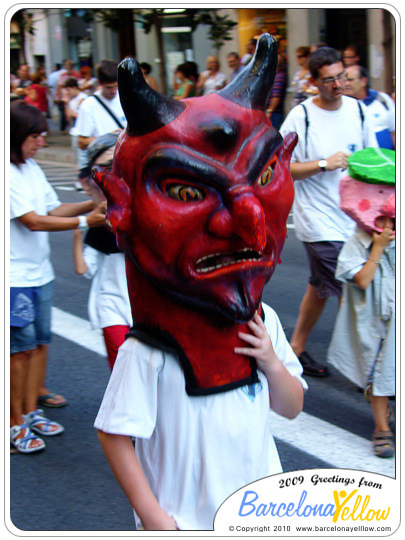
(216, 261)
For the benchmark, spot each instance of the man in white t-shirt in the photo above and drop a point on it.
(330, 126)
(380, 106)
(101, 113)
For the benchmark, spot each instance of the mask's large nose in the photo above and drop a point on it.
(244, 218)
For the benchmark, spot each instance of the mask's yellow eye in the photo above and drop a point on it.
(180, 192)
(266, 177)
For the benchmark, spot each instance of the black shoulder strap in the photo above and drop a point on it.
(109, 111)
(361, 112)
(306, 128)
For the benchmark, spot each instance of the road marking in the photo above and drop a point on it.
(332, 444)
(77, 330)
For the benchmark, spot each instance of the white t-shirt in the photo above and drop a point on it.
(382, 118)
(30, 265)
(53, 79)
(108, 299)
(74, 104)
(316, 212)
(93, 120)
(194, 450)
(213, 83)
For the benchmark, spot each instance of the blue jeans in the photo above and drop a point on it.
(39, 331)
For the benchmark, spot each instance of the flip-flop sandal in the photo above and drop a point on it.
(23, 444)
(38, 423)
(383, 443)
(43, 401)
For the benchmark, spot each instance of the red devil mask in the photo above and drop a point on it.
(199, 198)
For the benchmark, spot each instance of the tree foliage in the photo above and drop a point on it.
(220, 26)
(118, 19)
(114, 19)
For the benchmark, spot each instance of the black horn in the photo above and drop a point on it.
(251, 88)
(145, 109)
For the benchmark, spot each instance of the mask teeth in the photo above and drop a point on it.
(218, 266)
(228, 263)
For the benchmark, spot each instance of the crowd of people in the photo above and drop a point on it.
(59, 89)
(335, 114)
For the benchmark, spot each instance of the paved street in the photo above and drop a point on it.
(69, 485)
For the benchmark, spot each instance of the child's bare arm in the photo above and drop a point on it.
(80, 264)
(286, 392)
(365, 276)
(124, 464)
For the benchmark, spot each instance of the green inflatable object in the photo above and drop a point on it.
(373, 166)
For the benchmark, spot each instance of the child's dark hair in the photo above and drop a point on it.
(25, 120)
(106, 71)
(324, 56)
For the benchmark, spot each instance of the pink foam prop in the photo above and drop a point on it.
(364, 203)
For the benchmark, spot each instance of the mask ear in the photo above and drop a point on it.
(289, 143)
(118, 198)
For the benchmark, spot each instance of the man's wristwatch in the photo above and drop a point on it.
(82, 223)
(322, 164)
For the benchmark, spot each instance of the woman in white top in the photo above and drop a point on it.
(34, 210)
(212, 79)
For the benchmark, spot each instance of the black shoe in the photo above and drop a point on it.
(311, 367)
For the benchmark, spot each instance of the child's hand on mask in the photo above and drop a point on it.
(383, 238)
(261, 348)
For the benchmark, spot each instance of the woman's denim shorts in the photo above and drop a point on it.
(39, 331)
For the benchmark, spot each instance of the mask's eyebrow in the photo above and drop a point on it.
(261, 149)
(176, 162)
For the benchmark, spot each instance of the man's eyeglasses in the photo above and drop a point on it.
(328, 81)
